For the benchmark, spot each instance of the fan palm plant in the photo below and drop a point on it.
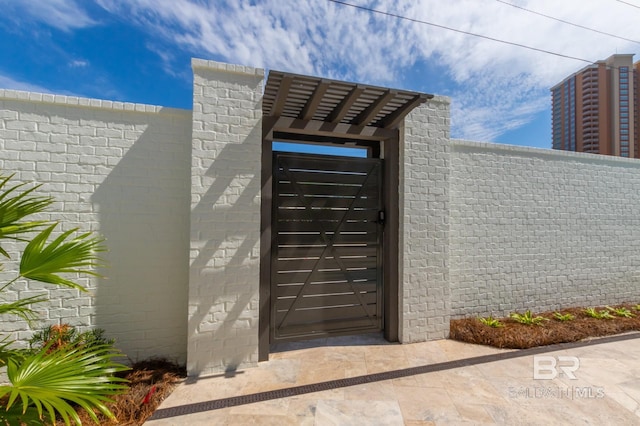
(49, 383)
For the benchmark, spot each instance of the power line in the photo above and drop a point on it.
(511, 43)
(571, 23)
(629, 4)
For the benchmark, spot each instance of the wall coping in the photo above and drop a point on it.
(78, 101)
(439, 99)
(542, 152)
(197, 63)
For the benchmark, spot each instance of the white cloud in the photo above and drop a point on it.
(64, 15)
(78, 63)
(496, 87)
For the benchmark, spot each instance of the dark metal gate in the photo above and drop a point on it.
(327, 255)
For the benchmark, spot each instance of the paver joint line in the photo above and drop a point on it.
(371, 378)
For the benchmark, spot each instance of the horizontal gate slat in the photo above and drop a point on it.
(325, 327)
(311, 177)
(293, 290)
(326, 301)
(309, 239)
(325, 188)
(328, 201)
(325, 225)
(313, 252)
(333, 165)
(355, 250)
(328, 228)
(308, 264)
(301, 277)
(326, 167)
(328, 214)
(326, 314)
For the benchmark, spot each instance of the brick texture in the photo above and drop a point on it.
(484, 228)
(122, 170)
(424, 223)
(540, 229)
(225, 217)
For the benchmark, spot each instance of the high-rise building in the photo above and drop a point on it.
(596, 109)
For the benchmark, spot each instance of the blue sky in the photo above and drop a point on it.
(140, 50)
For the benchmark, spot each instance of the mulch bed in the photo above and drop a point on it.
(150, 382)
(514, 335)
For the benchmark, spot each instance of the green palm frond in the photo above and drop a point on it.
(15, 206)
(20, 307)
(43, 262)
(53, 381)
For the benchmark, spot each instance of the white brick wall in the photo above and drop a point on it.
(484, 228)
(122, 170)
(541, 229)
(225, 217)
(424, 223)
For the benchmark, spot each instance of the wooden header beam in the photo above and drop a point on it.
(323, 128)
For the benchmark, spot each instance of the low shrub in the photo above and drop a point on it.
(527, 318)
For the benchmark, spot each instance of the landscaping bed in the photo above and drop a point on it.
(576, 324)
(150, 382)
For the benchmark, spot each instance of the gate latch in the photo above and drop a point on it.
(381, 217)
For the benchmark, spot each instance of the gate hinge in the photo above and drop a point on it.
(381, 217)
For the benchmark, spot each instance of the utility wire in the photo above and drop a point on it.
(629, 4)
(511, 43)
(571, 23)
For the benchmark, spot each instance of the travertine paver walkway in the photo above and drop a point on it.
(440, 382)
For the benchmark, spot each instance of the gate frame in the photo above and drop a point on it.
(389, 141)
(312, 109)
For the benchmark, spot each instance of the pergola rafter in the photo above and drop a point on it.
(330, 101)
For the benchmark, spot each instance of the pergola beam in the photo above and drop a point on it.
(366, 116)
(323, 128)
(314, 101)
(281, 98)
(343, 107)
(393, 119)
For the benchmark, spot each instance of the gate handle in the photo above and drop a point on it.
(381, 217)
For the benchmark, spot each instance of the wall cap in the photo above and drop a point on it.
(197, 63)
(78, 101)
(458, 144)
(439, 99)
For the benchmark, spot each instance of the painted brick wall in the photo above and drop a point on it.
(541, 229)
(424, 223)
(225, 217)
(123, 170)
(485, 228)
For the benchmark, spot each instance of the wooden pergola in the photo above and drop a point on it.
(318, 106)
(317, 110)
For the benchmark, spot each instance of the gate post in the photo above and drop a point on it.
(424, 291)
(225, 217)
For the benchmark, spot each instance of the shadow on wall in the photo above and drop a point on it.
(223, 313)
(143, 206)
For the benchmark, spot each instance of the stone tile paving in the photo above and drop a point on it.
(498, 388)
